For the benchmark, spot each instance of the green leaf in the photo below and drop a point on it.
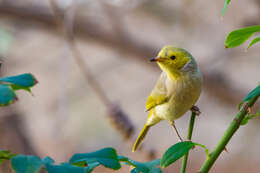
(153, 163)
(47, 160)
(135, 170)
(11, 83)
(106, 157)
(245, 120)
(249, 117)
(175, 152)
(26, 164)
(147, 167)
(205, 148)
(239, 105)
(5, 155)
(22, 81)
(7, 95)
(155, 170)
(65, 168)
(225, 6)
(122, 158)
(81, 164)
(239, 36)
(144, 167)
(89, 166)
(151, 170)
(257, 39)
(253, 94)
(17, 87)
(139, 166)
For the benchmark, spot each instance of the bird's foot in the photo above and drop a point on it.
(195, 110)
(176, 131)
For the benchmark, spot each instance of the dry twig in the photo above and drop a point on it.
(215, 83)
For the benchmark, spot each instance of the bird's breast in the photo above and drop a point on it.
(182, 93)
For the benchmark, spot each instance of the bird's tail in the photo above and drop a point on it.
(141, 136)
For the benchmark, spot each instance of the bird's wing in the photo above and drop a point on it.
(159, 93)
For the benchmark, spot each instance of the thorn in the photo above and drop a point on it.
(226, 150)
(196, 110)
(248, 110)
(34, 79)
(16, 99)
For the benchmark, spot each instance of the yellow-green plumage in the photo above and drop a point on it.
(176, 91)
(141, 137)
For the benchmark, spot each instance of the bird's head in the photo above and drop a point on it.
(172, 59)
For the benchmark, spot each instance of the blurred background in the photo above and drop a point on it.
(91, 58)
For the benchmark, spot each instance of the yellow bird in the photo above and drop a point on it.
(176, 91)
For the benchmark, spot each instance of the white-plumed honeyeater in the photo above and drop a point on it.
(176, 91)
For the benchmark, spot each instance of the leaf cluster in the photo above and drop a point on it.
(108, 157)
(10, 84)
(239, 36)
(86, 162)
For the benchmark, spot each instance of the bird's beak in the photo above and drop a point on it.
(158, 59)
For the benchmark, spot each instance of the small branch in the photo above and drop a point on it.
(190, 130)
(214, 82)
(66, 28)
(233, 127)
(118, 118)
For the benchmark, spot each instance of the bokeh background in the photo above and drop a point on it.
(92, 89)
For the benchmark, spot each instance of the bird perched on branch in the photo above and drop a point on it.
(176, 91)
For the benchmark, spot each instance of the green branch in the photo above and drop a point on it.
(233, 127)
(190, 130)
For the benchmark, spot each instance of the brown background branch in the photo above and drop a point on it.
(216, 83)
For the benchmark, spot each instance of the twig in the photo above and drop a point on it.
(190, 130)
(117, 116)
(233, 127)
(67, 32)
(215, 82)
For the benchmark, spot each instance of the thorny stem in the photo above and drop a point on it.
(233, 127)
(189, 135)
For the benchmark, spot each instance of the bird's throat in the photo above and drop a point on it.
(172, 73)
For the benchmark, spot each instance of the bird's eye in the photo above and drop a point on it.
(173, 57)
